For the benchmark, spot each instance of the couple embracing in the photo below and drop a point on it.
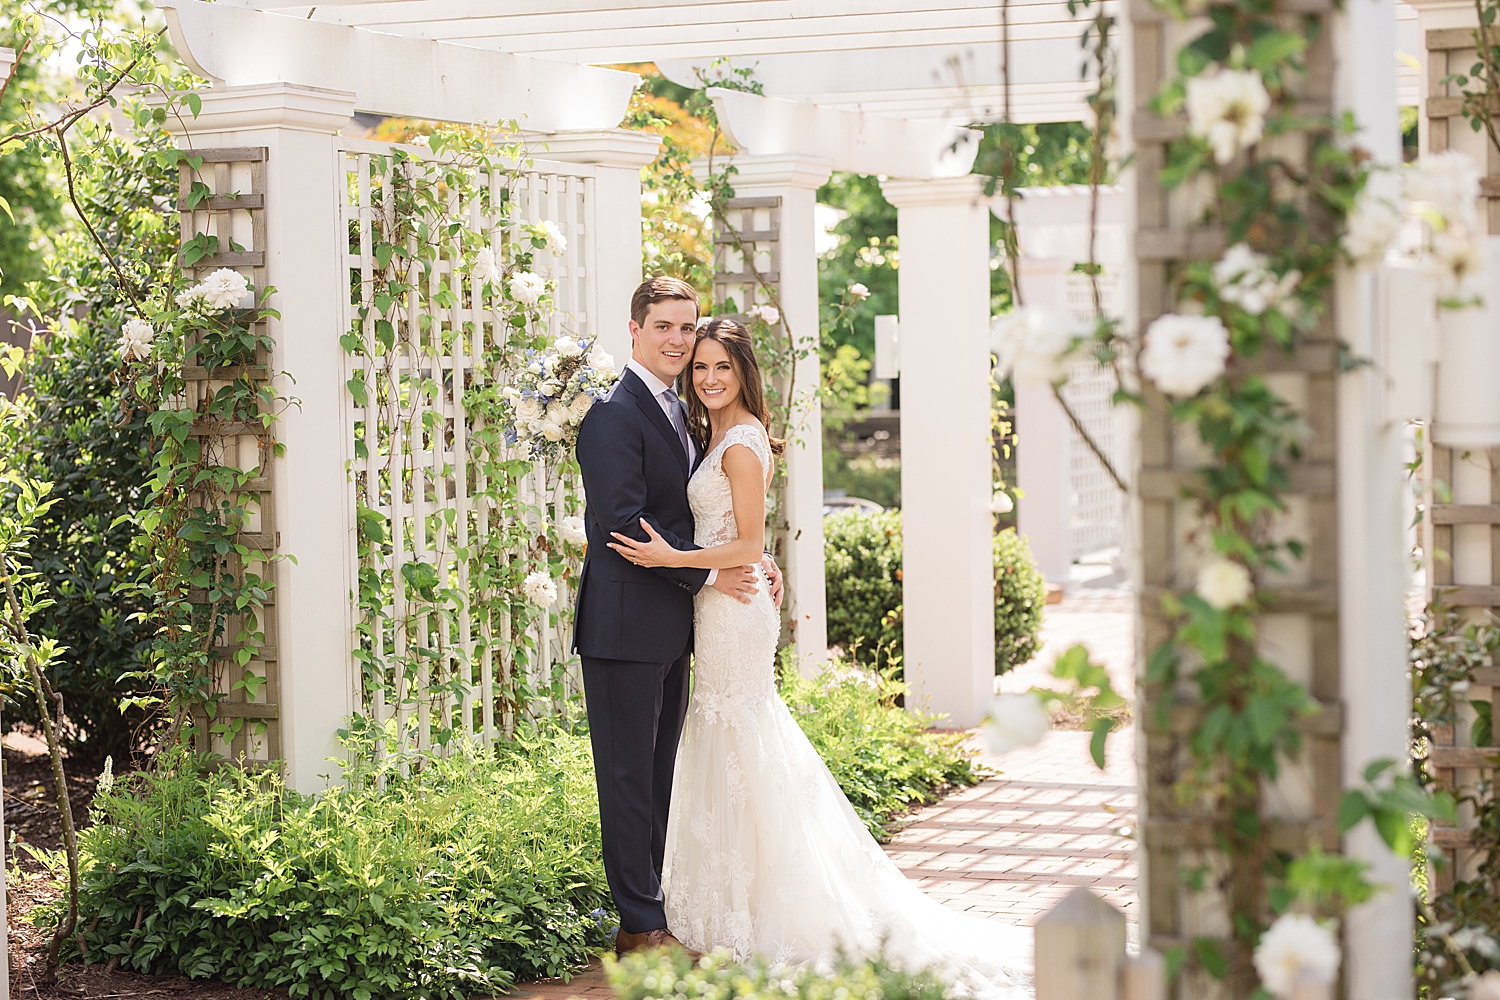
(722, 827)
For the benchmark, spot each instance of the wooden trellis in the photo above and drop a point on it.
(733, 274)
(1299, 627)
(413, 469)
(235, 213)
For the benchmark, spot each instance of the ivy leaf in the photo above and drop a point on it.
(1102, 728)
(358, 390)
(1211, 957)
(194, 103)
(1273, 48)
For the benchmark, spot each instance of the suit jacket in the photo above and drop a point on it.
(633, 467)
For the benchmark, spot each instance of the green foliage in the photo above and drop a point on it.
(474, 872)
(1102, 708)
(862, 566)
(28, 190)
(671, 973)
(866, 254)
(880, 753)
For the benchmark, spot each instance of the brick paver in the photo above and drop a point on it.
(1014, 845)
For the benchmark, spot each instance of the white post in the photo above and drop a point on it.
(1080, 950)
(796, 179)
(618, 155)
(1372, 569)
(948, 567)
(304, 253)
(1044, 469)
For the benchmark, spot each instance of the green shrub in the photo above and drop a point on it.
(862, 563)
(880, 753)
(663, 973)
(477, 872)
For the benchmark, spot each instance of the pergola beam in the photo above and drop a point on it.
(239, 46)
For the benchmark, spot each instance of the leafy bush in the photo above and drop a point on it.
(862, 563)
(880, 754)
(475, 872)
(647, 975)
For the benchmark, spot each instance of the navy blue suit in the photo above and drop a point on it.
(634, 633)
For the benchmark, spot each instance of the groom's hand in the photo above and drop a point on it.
(738, 582)
(773, 576)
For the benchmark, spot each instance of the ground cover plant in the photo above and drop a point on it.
(646, 976)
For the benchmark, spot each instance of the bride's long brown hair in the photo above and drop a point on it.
(737, 344)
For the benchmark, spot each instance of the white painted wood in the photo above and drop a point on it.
(948, 566)
(1468, 407)
(1044, 455)
(887, 347)
(1144, 977)
(390, 74)
(618, 156)
(1080, 949)
(7, 60)
(796, 179)
(1373, 569)
(314, 614)
(850, 140)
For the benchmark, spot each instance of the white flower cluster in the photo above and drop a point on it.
(1015, 721)
(527, 288)
(1182, 354)
(551, 234)
(571, 531)
(484, 267)
(135, 339)
(1244, 279)
(540, 589)
(1036, 345)
(1296, 949)
(1224, 583)
(1228, 109)
(1442, 191)
(1372, 226)
(223, 289)
(554, 392)
(767, 314)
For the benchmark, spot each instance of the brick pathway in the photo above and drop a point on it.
(1049, 821)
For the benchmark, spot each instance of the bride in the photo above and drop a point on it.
(764, 855)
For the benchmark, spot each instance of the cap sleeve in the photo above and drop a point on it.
(752, 436)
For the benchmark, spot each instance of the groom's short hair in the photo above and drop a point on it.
(660, 289)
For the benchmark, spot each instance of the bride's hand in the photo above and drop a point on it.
(656, 552)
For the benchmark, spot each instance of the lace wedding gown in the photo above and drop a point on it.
(764, 855)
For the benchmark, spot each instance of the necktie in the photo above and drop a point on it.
(679, 421)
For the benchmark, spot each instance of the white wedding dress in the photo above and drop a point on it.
(765, 856)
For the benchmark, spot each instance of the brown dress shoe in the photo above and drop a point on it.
(626, 942)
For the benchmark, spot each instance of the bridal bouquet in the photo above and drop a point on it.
(552, 394)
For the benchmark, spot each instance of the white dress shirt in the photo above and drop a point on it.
(657, 388)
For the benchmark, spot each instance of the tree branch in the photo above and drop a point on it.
(126, 285)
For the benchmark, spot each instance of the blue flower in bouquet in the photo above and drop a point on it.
(554, 392)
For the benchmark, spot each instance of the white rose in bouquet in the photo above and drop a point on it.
(571, 531)
(527, 288)
(529, 409)
(552, 431)
(1184, 353)
(580, 407)
(567, 347)
(601, 360)
(540, 589)
(558, 414)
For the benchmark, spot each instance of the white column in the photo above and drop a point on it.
(618, 155)
(796, 180)
(1373, 569)
(949, 574)
(314, 606)
(1044, 471)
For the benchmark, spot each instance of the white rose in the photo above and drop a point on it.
(527, 288)
(1224, 584)
(567, 347)
(1458, 265)
(528, 409)
(1035, 345)
(1486, 987)
(580, 406)
(1228, 108)
(601, 361)
(1373, 225)
(558, 414)
(768, 314)
(1184, 353)
(571, 531)
(484, 267)
(223, 289)
(188, 297)
(1296, 947)
(1244, 278)
(551, 387)
(858, 292)
(1445, 184)
(1001, 503)
(1015, 721)
(557, 243)
(551, 430)
(540, 589)
(136, 338)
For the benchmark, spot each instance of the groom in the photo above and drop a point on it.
(634, 627)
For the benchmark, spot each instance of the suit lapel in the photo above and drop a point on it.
(652, 409)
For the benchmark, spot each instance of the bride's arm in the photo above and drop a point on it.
(747, 487)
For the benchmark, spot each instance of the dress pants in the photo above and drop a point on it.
(636, 711)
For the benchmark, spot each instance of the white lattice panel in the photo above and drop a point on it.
(437, 670)
(1097, 518)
